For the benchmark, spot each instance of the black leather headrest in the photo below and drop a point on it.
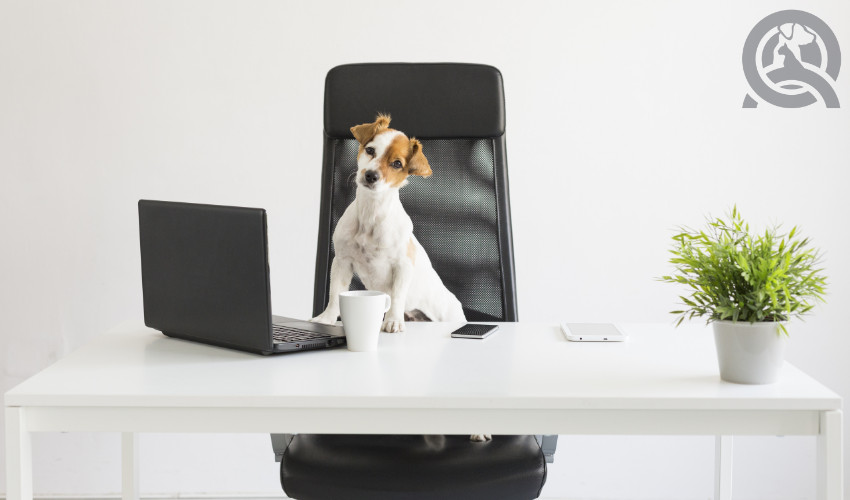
(428, 100)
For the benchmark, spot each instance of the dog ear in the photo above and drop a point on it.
(417, 164)
(365, 132)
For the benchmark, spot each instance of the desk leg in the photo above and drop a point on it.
(129, 466)
(18, 456)
(723, 468)
(830, 457)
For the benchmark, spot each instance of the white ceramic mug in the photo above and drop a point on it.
(362, 313)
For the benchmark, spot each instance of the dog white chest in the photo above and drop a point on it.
(373, 234)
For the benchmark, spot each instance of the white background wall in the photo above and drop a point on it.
(624, 120)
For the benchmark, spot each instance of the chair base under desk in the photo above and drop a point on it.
(413, 467)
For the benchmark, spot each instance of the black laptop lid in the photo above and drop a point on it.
(205, 273)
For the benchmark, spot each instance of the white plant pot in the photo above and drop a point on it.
(749, 353)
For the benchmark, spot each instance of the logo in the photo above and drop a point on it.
(791, 59)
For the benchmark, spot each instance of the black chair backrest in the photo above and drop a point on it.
(461, 213)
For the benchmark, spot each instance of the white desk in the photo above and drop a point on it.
(525, 379)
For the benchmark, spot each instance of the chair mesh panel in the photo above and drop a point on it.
(454, 217)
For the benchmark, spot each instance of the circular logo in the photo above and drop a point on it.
(791, 59)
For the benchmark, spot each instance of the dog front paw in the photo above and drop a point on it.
(480, 438)
(325, 318)
(393, 325)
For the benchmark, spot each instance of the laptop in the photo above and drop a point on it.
(205, 277)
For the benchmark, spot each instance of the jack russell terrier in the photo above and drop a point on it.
(374, 237)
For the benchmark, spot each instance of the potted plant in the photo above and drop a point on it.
(749, 286)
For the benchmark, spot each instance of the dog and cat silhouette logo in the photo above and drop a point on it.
(791, 59)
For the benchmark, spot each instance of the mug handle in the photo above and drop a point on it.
(388, 302)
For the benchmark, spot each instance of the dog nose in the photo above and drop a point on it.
(371, 176)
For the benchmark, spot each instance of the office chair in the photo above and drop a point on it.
(461, 216)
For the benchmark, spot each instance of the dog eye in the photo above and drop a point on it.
(370, 151)
(397, 164)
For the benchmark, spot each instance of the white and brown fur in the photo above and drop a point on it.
(374, 237)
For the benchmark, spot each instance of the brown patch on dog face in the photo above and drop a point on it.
(403, 158)
(394, 163)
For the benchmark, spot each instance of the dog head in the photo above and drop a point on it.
(387, 157)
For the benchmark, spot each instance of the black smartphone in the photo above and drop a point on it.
(474, 331)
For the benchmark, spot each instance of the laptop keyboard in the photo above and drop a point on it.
(287, 334)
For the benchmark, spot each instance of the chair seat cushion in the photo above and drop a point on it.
(412, 467)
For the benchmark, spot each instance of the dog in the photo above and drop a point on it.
(374, 237)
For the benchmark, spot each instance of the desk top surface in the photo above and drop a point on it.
(523, 365)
